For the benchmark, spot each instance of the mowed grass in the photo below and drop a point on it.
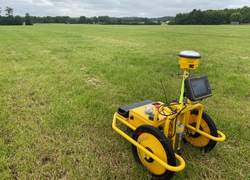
(61, 84)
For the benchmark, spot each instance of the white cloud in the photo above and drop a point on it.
(37, 2)
(149, 8)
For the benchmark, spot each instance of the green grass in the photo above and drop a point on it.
(61, 84)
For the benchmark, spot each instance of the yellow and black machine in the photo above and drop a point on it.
(159, 129)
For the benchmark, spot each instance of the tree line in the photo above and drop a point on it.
(210, 17)
(97, 20)
(207, 17)
(9, 19)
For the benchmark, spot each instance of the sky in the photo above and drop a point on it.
(117, 8)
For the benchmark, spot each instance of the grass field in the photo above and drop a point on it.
(61, 84)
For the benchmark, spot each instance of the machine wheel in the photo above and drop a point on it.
(196, 139)
(156, 142)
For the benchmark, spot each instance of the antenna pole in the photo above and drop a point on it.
(185, 76)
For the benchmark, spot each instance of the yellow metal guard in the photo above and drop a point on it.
(178, 168)
(219, 139)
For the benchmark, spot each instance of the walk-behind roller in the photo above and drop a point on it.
(159, 129)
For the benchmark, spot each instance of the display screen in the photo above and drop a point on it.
(197, 88)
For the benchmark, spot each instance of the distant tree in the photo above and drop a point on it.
(74, 20)
(95, 20)
(60, 19)
(235, 17)
(9, 11)
(82, 20)
(28, 19)
(224, 16)
(104, 19)
(245, 14)
(17, 20)
(9, 19)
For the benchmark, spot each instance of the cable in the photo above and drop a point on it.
(175, 119)
(163, 113)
